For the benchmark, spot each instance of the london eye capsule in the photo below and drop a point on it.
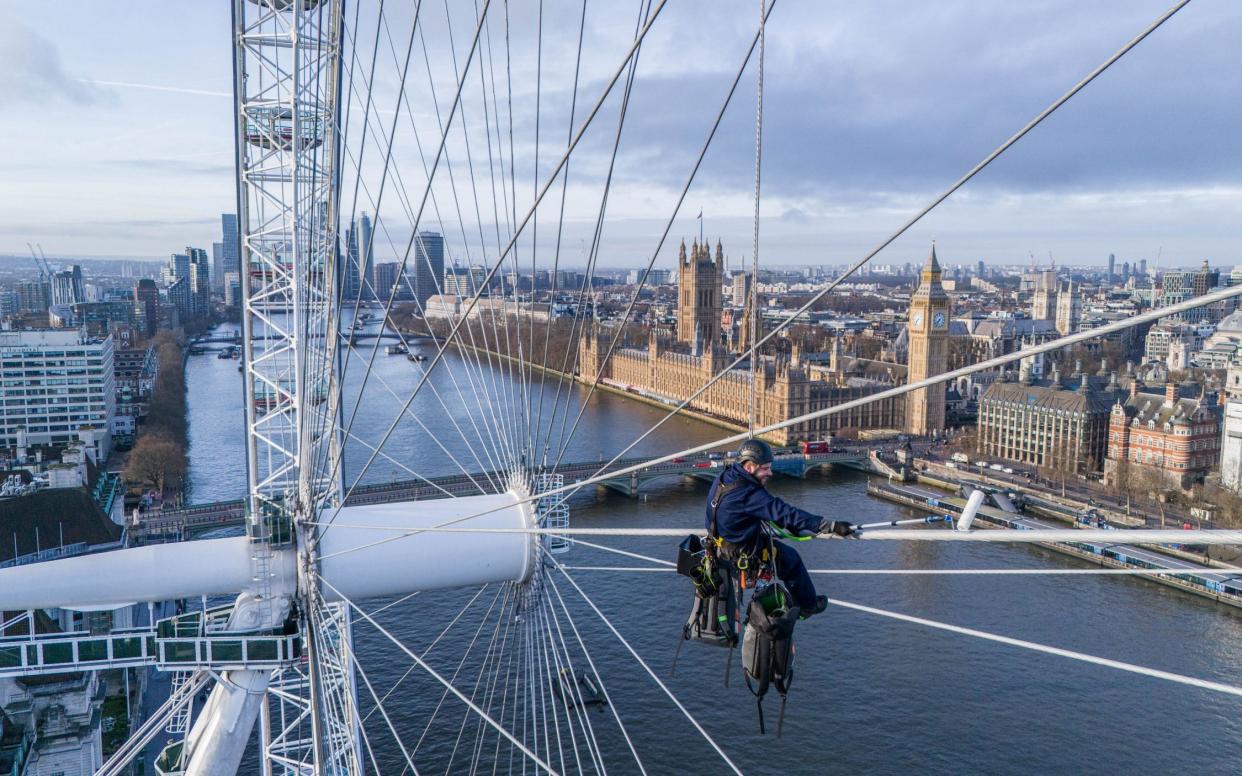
(273, 128)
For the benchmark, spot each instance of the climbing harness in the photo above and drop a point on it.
(721, 572)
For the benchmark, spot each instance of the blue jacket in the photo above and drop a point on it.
(744, 510)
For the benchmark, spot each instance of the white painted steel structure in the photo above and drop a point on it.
(307, 560)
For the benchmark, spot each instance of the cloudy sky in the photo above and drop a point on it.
(116, 129)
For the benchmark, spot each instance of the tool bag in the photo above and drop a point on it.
(767, 646)
(714, 613)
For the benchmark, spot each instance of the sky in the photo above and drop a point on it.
(116, 134)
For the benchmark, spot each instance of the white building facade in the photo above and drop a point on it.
(1231, 446)
(53, 384)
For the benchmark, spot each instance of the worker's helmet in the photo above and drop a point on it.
(756, 451)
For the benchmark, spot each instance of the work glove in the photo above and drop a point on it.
(836, 527)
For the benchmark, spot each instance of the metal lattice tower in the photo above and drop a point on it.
(287, 82)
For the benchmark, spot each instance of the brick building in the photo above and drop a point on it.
(1176, 436)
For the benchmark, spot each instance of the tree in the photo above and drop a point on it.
(156, 460)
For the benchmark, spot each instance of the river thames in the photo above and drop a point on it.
(870, 694)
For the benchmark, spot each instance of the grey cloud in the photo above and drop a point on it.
(31, 70)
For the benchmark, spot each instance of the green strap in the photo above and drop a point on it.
(782, 533)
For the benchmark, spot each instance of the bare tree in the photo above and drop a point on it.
(156, 460)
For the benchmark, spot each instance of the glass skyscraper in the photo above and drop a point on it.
(428, 266)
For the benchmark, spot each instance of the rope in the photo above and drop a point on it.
(1004, 535)
(958, 572)
(436, 675)
(1100, 661)
(643, 663)
(599, 679)
(754, 346)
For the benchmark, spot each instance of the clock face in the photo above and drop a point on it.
(917, 319)
(938, 320)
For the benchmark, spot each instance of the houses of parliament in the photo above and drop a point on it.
(670, 369)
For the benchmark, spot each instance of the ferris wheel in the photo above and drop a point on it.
(314, 146)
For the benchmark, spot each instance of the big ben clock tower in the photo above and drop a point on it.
(929, 350)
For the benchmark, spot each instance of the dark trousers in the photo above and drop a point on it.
(792, 571)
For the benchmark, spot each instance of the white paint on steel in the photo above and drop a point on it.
(501, 551)
(216, 743)
(160, 572)
(967, 518)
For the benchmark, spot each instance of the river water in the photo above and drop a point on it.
(870, 695)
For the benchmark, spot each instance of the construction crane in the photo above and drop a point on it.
(40, 259)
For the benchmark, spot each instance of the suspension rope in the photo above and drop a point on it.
(963, 572)
(1109, 537)
(668, 225)
(754, 280)
(543, 191)
(405, 257)
(587, 289)
(438, 677)
(754, 346)
(590, 662)
(1204, 684)
(634, 653)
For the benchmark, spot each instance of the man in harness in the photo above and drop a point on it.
(739, 509)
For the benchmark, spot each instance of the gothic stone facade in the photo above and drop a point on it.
(929, 349)
(698, 296)
(786, 387)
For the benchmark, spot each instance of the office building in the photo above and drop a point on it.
(1048, 423)
(460, 281)
(428, 265)
(54, 383)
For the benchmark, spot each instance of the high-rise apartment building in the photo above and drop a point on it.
(1112, 267)
(428, 266)
(231, 250)
(147, 306)
(200, 282)
(54, 383)
(1178, 286)
(740, 292)
(67, 286)
(33, 297)
(217, 268)
(180, 298)
(359, 271)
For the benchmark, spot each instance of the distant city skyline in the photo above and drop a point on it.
(856, 137)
